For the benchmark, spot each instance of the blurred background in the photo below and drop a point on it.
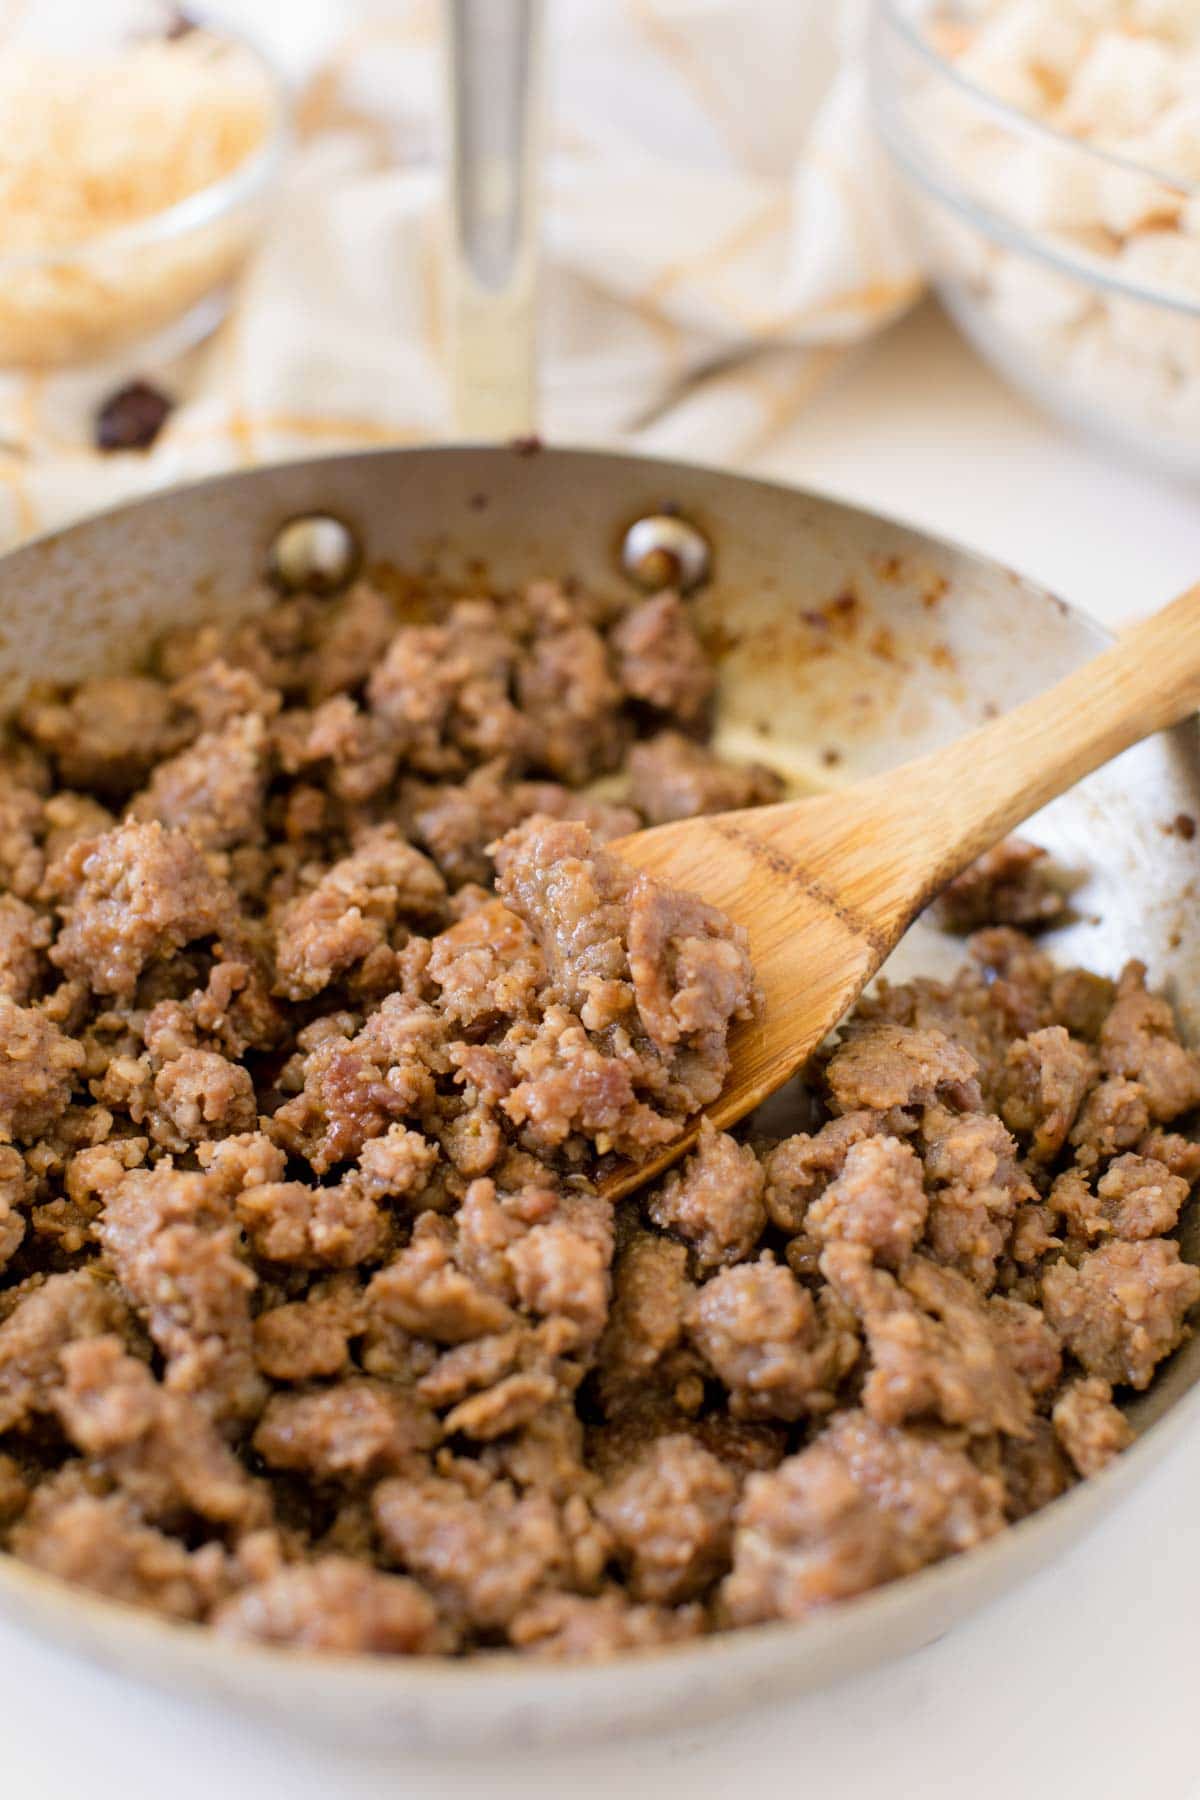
(222, 232)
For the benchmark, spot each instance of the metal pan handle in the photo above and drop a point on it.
(494, 54)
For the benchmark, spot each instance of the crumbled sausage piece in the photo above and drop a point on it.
(233, 1013)
(423, 1292)
(214, 789)
(353, 633)
(24, 936)
(933, 1346)
(1114, 1117)
(482, 1556)
(591, 1628)
(1081, 1002)
(715, 1201)
(560, 1269)
(471, 1367)
(202, 1096)
(490, 1222)
(458, 822)
(671, 1517)
(762, 1334)
(305, 1339)
(513, 1402)
(877, 1200)
(271, 643)
(356, 1088)
(1029, 1343)
(396, 1166)
(1035, 1471)
(1136, 1197)
(569, 1087)
(101, 1543)
(355, 1429)
(171, 1238)
(865, 1503)
(976, 1191)
(882, 1065)
(352, 910)
(801, 1167)
(159, 1447)
(108, 734)
(673, 777)
(1046, 1077)
(443, 692)
(38, 1070)
(546, 1454)
(1020, 979)
(22, 860)
(645, 1321)
(1122, 1310)
(615, 942)
(1090, 1428)
(661, 661)
(336, 1604)
(1009, 885)
(139, 892)
(569, 697)
(691, 977)
(1138, 1041)
(487, 967)
(16, 1190)
(216, 693)
(241, 1161)
(312, 1227)
(1180, 1155)
(62, 1310)
(356, 747)
(575, 902)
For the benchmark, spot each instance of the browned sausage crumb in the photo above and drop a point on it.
(673, 777)
(1090, 1428)
(323, 1002)
(1010, 885)
(1123, 1309)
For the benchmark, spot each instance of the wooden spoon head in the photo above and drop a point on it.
(814, 948)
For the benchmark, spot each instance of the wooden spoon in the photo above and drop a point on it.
(826, 887)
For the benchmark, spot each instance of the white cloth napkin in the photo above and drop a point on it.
(718, 230)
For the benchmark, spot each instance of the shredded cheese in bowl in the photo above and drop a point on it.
(131, 189)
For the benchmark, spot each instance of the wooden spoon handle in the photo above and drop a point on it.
(928, 820)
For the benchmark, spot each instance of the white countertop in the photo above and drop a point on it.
(1082, 1683)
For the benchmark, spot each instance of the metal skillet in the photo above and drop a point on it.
(846, 643)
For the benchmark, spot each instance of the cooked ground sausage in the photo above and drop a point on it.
(322, 1003)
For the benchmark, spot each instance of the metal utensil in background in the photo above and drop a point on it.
(493, 65)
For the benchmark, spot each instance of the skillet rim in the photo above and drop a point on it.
(1092, 1499)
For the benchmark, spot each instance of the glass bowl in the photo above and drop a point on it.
(1075, 272)
(160, 282)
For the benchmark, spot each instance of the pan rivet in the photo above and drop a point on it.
(315, 554)
(663, 551)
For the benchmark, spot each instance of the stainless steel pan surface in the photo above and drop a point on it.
(846, 643)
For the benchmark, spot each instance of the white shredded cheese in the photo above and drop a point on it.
(94, 144)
